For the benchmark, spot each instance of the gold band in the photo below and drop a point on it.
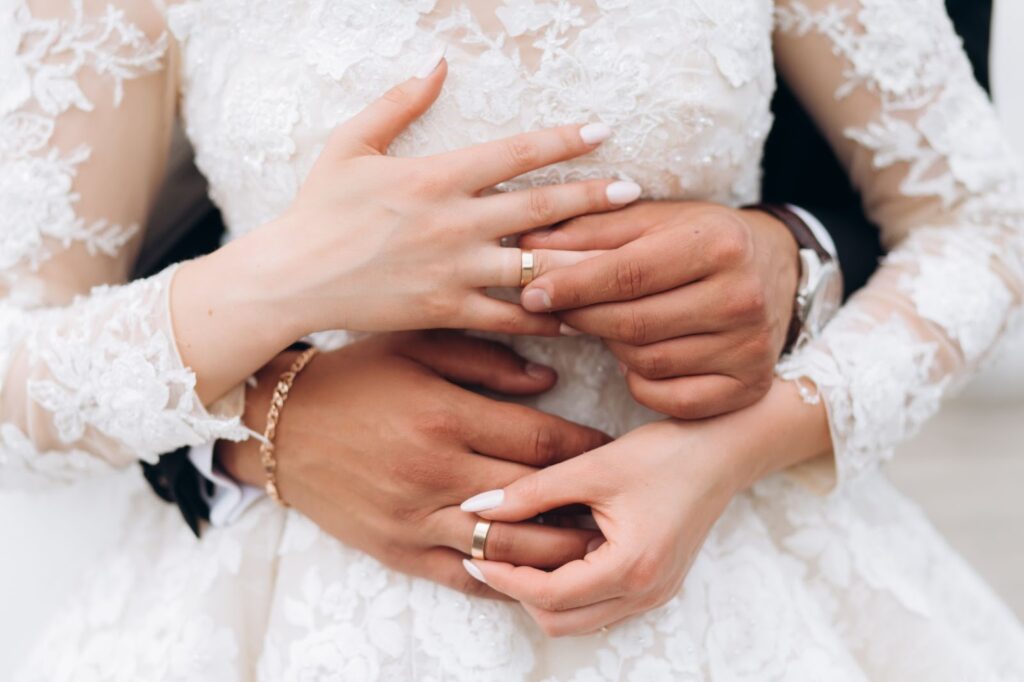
(526, 271)
(480, 531)
(268, 457)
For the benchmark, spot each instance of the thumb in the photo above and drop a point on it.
(372, 130)
(559, 485)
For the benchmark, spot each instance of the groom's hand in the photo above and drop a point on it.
(693, 298)
(379, 444)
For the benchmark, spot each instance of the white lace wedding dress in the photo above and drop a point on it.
(791, 584)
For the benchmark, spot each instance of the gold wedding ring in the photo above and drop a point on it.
(526, 272)
(480, 531)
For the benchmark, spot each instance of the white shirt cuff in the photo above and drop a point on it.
(819, 231)
(229, 499)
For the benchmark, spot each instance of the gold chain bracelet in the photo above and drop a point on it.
(268, 456)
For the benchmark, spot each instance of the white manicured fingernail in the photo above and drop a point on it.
(430, 64)
(484, 501)
(623, 192)
(566, 330)
(595, 133)
(472, 569)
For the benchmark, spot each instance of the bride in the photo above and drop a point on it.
(800, 561)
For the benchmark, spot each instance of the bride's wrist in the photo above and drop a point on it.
(259, 273)
(780, 431)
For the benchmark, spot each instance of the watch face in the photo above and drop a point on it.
(825, 299)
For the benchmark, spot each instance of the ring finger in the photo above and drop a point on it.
(504, 266)
(520, 544)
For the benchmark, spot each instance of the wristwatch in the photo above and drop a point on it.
(819, 290)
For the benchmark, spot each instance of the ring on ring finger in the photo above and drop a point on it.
(527, 268)
(480, 531)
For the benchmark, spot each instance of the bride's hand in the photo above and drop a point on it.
(378, 243)
(655, 493)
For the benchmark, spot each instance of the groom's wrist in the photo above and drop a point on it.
(241, 460)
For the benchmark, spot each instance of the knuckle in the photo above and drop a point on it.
(652, 363)
(570, 139)
(438, 307)
(642, 574)
(501, 543)
(629, 278)
(761, 346)
(541, 207)
(549, 601)
(732, 243)
(428, 182)
(633, 327)
(400, 98)
(596, 194)
(544, 445)
(521, 154)
(548, 624)
(437, 424)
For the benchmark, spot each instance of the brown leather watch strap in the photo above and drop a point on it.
(803, 234)
(805, 239)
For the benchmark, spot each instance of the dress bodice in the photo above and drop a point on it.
(685, 84)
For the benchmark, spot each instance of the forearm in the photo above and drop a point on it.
(778, 432)
(230, 317)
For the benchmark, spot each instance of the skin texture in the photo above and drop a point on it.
(654, 493)
(694, 299)
(383, 464)
(379, 243)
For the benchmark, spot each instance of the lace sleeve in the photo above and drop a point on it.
(90, 372)
(888, 82)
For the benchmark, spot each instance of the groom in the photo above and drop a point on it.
(384, 441)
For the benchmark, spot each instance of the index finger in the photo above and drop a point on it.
(592, 579)
(485, 165)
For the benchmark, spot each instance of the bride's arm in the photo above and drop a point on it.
(890, 86)
(85, 114)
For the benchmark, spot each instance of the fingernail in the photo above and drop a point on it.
(595, 133)
(474, 571)
(623, 192)
(591, 546)
(537, 371)
(566, 330)
(484, 501)
(536, 300)
(430, 64)
(541, 235)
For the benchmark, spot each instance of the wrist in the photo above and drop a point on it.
(774, 241)
(780, 431)
(241, 460)
(260, 270)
